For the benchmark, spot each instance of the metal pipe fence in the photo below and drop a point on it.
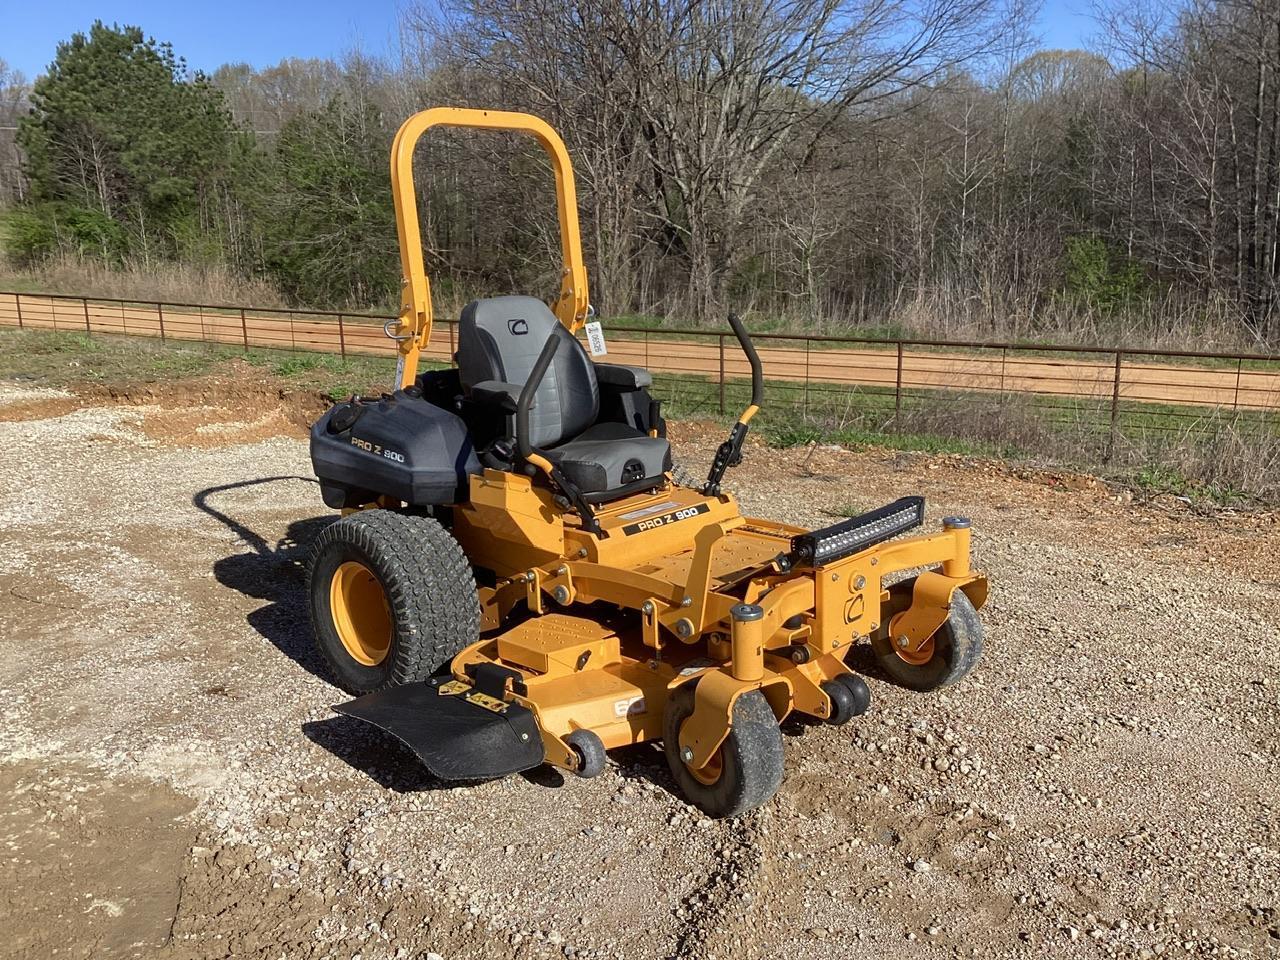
(883, 384)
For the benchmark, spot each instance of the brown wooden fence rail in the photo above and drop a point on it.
(891, 377)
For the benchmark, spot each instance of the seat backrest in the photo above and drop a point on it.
(500, 339)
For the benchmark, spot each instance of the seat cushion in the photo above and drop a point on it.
(611, 455)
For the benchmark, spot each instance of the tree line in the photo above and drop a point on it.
(916, 164)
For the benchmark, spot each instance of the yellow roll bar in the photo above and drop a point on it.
(413, 329)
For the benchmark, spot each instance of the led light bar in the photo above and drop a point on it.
(857, 533)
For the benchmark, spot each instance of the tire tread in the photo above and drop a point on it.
(753, 761)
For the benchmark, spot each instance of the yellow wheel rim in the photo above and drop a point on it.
(361, 614)
(920, 657)
(916, 658)
(710, 774)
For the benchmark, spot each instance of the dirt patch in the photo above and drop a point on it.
(1102, 785)
(206, 411)
(94, 862)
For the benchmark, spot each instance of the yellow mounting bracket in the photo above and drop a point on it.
(413, 329)
(911, 630)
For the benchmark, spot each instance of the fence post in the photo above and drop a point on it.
(84, 303)
(17, 303)
(244, 330)
(1235, 403)
(342, 338)
(1115, 407)
(453, 339)
(808, 344)
(897, 394)
(160, 314)
(721, 371)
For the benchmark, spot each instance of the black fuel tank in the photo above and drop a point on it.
(400, 446)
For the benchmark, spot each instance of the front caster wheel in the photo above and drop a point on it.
(747, 769)
(946, 657)
(590, 751)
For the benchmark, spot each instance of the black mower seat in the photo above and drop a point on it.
(499, 340)
(611, 456)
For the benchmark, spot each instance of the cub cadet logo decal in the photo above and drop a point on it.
(378, 450)
(517, 327)
(674, 517)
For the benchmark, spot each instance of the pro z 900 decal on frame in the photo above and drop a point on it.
(674, 516)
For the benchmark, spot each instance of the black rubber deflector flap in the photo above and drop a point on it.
(454, 738)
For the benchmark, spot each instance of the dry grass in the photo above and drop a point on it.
(214, 284)
(1227, 456)
(1165, 319)
(1202, 453)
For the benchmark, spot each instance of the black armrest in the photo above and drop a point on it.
(495, 393)
(623, 377)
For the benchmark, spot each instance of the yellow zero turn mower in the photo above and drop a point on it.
(515, 519)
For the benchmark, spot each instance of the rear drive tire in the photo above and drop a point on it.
(747, 769)
(392, 599)
(590, 751)
(957, 644)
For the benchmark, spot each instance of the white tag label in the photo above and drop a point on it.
(595, 339)
(696, 666)
(631, 707)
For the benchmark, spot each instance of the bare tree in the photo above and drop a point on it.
(13, 97)
(709, 94)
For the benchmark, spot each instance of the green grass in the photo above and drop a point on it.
(58, 359)
(1155, 479)
(334, 376)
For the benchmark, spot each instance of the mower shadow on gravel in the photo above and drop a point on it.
(272, 572)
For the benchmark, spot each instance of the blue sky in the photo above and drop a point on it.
(207, 33)
(212, 32)
(1066, 23)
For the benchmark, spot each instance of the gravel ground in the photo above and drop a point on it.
(176, 785)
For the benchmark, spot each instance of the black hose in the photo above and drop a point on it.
(749, 348)
(523, 443)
